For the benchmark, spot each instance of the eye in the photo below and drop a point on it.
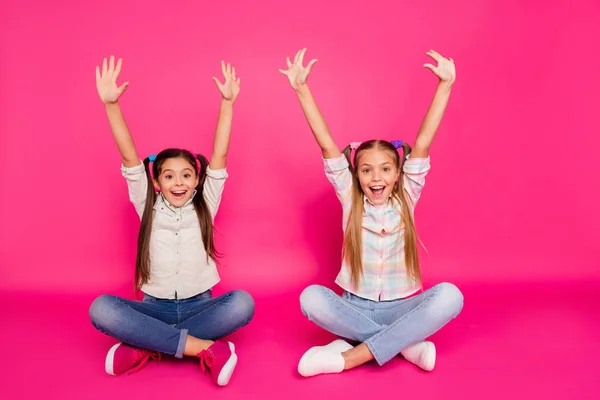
(168, 176)
(366, 171)
(387, 169)
(187, 176)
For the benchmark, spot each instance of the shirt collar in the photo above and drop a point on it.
(172, 207)
(368, 203)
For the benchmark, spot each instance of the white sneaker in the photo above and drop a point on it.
(421, 354)
(324, 359)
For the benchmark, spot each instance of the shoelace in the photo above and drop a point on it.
(207, 359)
(149, 355)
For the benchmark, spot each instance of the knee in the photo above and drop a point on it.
(312, 300)
(101, 310)
(451, 299)
(243, 305)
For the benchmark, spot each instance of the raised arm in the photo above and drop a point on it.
(229, 92)
(297, 75)
(446, 73)
(109, 92)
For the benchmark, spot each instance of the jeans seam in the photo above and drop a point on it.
(182, 342)
(224, 297)
(345, 302)
(373, 350)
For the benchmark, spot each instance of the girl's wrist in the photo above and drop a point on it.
(445, 85)
(111, 104)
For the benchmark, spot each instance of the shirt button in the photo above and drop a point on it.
(177, 252)
(177, 219)
(176, 233)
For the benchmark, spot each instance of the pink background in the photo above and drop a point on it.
(509, 214)
(512, 195)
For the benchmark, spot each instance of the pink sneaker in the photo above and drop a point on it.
(124, 358)
(220, 359)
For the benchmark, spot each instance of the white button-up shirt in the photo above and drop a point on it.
(178, 263)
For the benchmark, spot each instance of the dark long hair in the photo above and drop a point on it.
(200, 163)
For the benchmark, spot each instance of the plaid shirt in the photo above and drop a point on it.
(384, 270)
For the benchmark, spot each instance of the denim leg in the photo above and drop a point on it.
(213, 318)
(144, 324)
(413, 319)
(337, 314)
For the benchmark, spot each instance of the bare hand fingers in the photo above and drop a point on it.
(434, 55)
(123, 87)
(229, 70)
(283, 71)
(219, 85)
(117, 70)
(223, 69)
(431, 67)
(111, 64)
(301, 58)
(297, 56)
(104, 67)
(310, 65)
(233, 73)
(98, 77)
(289, 63)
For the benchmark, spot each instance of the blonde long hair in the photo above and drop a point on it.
(352, 248)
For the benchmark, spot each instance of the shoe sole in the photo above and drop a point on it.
(110, 358)
(228, 368)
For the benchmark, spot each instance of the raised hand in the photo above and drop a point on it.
(106, 82)
(231, 88)
(445, 69)
(296, 73)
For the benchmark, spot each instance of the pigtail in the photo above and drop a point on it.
(352, 246)
(411, 254)
(142, 262)
(205, 219)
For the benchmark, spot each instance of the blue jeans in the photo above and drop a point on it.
(163, 325)
(386, 327)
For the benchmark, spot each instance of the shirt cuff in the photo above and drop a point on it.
(217, 173)
(416, 165)
(335, 164)
(129, 171)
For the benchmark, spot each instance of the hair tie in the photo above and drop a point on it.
(354, 145)
(397, 143)
(152, 157)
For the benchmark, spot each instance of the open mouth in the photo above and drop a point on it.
(377, 190)
(178, 194)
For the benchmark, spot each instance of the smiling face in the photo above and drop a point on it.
(177, 180)
(377, 171)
